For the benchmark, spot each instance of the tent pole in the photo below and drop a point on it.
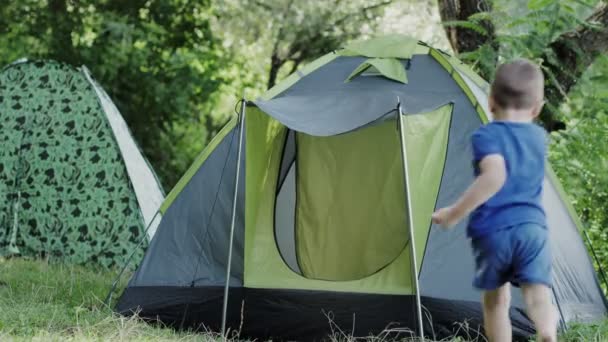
(232, 225)
(406, 183)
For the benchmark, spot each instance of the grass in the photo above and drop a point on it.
(50, 302)
(40, 301)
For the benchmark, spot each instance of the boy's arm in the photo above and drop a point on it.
(492, 177)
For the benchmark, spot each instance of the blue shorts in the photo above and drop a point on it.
(520, 255)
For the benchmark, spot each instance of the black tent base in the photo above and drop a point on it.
(308, 315)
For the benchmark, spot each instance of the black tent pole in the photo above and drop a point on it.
(408, 199)
(241, 123)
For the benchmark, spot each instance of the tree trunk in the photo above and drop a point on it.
(570, 55)
(464, 39)
(275, 64)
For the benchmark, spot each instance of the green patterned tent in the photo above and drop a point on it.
(73, 184)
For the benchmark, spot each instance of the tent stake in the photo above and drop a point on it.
(236, 192)
(410, 222)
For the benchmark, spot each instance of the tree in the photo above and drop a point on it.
(468, 29)
(566, 45)
(298, 31)
(569, 56)
(158, 60)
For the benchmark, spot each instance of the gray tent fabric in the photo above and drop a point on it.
(322, 104)
(289, 156)
(285, 205)
(190, 247)
(575, 283)
(480, 95)
(284, 225)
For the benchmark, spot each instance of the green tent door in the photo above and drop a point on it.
(329, 212)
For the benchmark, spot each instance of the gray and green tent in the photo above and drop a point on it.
(316, 222)
(73, 183)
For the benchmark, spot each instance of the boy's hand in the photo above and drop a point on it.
(446, 217)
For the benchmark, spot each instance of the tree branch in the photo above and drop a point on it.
(276, 62)
(306, 44)
(363, 10)
(297, 49)
(263, 5)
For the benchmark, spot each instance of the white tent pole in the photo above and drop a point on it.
(236, 192)
(410, 218)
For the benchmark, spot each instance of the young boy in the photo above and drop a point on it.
(507, 224)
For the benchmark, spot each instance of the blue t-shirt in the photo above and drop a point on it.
(523, 147)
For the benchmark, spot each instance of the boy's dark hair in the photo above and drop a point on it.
(518, 85)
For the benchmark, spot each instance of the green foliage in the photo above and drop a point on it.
(580, 154)
(288, 33)
(158, 60)
(175, 68)
(597, 332)
(524, 29)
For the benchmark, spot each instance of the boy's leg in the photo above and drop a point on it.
(532, 266)
(541, 311)
(496, 314)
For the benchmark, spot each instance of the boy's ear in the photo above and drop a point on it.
(537, 109)
(492, 104)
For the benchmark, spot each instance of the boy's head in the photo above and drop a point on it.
(517, 87)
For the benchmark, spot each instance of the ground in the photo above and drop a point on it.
(48, 302)
(45, 302)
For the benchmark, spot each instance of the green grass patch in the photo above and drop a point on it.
(41, 301)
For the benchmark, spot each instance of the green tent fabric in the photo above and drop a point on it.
(389, 46)
(387, 67)
(66, 190)
(333, 217)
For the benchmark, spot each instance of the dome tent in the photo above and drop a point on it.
(73, 183)
(308, 204)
